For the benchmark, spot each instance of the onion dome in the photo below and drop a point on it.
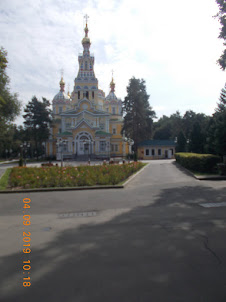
(86, 39)
(112, 85)
(61, 96)
(111, 95)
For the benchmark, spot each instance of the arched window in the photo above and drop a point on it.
(86, 66)
(87, 94)
(93, 94)
(79, 95)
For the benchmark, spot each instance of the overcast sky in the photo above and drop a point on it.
(172, 44)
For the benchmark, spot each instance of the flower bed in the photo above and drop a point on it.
(47, 177)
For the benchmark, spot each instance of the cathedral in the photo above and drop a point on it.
(86, 123)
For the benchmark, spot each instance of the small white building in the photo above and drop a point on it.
(156, 149)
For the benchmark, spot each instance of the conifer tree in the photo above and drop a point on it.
(37, 121)
(217, 129)
(222, 19)
(139, 115)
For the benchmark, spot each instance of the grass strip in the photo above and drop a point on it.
(4, 180)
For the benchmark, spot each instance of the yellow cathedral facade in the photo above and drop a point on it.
(86, 124)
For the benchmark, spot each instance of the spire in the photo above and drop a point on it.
(112, 84)
(62, 84)
(86, 40)
(69, 95)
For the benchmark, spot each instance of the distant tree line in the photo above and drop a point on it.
(37, 120)
(193, 132)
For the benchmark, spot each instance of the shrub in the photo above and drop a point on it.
(222, 168)
(198, 162)
(21, 162)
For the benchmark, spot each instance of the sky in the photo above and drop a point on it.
(172, 45)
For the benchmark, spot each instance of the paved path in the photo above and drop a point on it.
(151, 241)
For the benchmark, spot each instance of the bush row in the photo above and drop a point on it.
(198, 162)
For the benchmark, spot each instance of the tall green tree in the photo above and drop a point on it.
(162, 128)
(37, 121)
(139, 115)
(9, 104)
(222, 19)
(181, 142)
(197, 139)
(216, 140)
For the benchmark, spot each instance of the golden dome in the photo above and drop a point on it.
(62, 81)
(85, 40)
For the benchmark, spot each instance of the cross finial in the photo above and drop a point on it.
(86, 18)
(112, 73)
(62, 72)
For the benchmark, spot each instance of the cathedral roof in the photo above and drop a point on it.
(61, 97)
(111, 96)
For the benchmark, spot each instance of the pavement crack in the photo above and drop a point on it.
(206, 244)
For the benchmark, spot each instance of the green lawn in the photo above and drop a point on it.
(4, 180)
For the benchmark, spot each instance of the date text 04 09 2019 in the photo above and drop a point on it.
(26, 242)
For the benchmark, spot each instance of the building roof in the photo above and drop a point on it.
(157, 142)
(64, 133)
(111, 96)
(61, 97)
(102, 133)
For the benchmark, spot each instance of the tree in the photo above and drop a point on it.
(37, 121)
(217, 127)
(139, 115)
(222, 19)
(197, 139)
(9, 104)
(181, 142)
(162, 128)
(220, 123)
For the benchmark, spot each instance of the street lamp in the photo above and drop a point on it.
(24, 148)
(108, 150)
(188, 141)
(6, 151)
(60, 144)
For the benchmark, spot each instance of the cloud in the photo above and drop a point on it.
(173, 45)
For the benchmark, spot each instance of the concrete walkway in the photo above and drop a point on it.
(151, 241)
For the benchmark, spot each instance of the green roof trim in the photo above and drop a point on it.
(65, 133)
(102, 133)
(157, 142)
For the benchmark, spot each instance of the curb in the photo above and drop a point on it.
(209, 177)
(62, 189)
(134, 175)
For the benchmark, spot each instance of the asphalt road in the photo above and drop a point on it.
(149, 242)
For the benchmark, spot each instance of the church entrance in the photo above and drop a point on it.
(84, 144)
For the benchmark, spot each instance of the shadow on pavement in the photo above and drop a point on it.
(170, 251)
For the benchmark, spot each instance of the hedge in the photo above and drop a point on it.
(198, 162)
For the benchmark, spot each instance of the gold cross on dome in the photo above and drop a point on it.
(86, 17)
(62, 72)
(112, 73)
